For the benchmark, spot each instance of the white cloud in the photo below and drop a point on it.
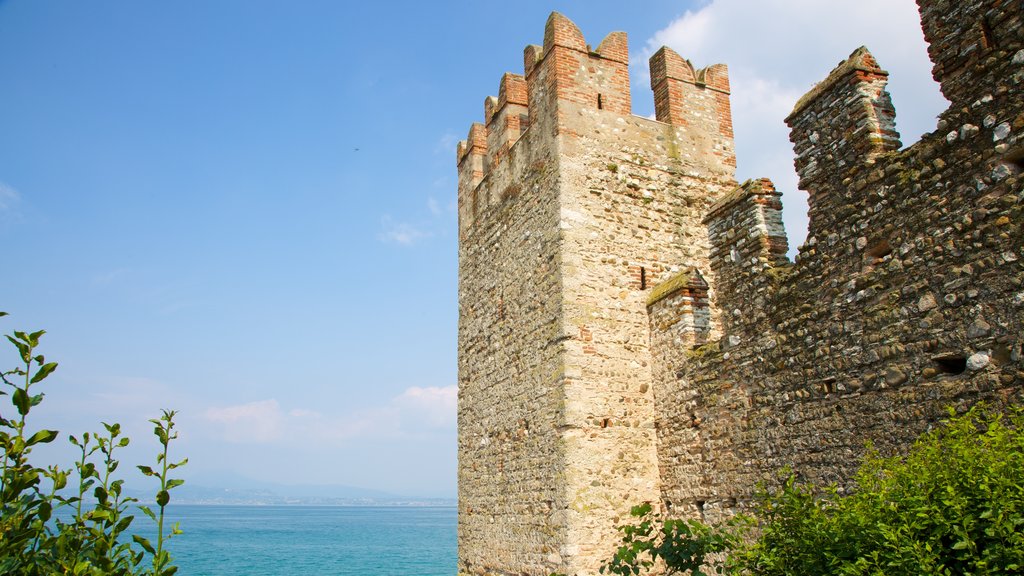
(402, 233)
(417, 411)
(777, 49)
(431, 407)
(255, 422)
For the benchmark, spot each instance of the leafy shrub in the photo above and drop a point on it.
(683, 545)
(954, 505)
(33, 541)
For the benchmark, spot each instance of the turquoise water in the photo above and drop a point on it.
(299, 540)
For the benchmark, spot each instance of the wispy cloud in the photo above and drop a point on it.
(808, 38)
(434, 407)
(417, 411)
(401, 233)
(9, 201)
(108, 277)
(446, 143)
(255, 422)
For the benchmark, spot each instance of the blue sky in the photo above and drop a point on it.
(243, 210)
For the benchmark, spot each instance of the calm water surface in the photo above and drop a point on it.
(285, 540)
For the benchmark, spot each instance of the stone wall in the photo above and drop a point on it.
(631, 330)
(562, 237)
(907, 298)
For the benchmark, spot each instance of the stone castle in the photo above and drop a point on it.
(630, 328)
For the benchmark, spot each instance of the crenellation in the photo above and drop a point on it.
(683, 94)
(748, 247)
(844, 123)
(961, 35)
(472, 162)
(614, 47)
(507, 117)
(631, 330)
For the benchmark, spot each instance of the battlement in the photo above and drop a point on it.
(675, 82)
(962, 35)
(630, 328)
(563, 78)
(842, 125)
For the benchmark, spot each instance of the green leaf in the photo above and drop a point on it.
(174, 483)
(144, 543)
(148, 512)
(44, 511)
(33, 338)
(44, 371)
(98, 514)
(21, 401)
(123, 524)
(146, 470)
(23, 349)
(42, 437)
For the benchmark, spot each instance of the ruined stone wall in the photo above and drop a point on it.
(907, 298)
(630, 328)
(615, 207)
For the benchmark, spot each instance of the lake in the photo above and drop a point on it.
(322, 540)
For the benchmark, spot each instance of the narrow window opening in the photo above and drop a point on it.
(700, 509)
(606, 423)
(951, 363)
(828, 386)
(988, 38)
(643, 278)
(600, 104)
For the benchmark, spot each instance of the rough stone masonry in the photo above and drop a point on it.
(630, 328)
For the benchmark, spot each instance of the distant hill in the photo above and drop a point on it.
(244, 491)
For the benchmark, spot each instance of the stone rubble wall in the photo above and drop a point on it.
(631, 330)
(583, 213)
(906, 299)
(510, 341)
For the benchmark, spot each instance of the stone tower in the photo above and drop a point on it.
(570, 210)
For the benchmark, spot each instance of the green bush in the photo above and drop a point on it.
(33, 541)
(954, 505)
(683, 545)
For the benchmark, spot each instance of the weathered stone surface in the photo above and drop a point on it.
(562, 236)
(630, 328)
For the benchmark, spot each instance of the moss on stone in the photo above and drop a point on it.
(675, 283)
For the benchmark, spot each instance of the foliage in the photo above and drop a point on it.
(683, 545)
(954, 505)
(35, 541)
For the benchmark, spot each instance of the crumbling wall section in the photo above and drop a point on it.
(906, 298)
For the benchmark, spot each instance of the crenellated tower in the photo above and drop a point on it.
(631, 329)
(570, 210)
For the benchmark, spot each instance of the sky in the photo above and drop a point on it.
(244, 210)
